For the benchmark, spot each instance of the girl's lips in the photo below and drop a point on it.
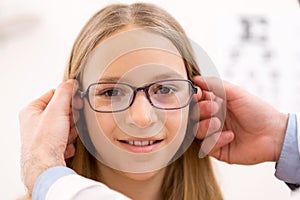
(146, 146)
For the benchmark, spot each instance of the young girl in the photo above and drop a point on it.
(188, 177)
(134, 127)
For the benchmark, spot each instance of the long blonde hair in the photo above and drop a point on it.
(189, 177)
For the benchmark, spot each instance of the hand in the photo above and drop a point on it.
(253, 130)
(48, 131)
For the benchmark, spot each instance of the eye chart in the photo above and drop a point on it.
(261, 53)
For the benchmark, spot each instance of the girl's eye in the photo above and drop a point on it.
(110, 92)
(165, 90)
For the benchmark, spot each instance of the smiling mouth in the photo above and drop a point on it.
(140, 143)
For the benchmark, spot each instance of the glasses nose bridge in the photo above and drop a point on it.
(144, 89)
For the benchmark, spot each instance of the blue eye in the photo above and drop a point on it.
(111, 92)
(164, 90)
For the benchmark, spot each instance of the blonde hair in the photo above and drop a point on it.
(186, 178)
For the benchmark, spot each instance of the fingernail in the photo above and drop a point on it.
(201, 154)
(227, 136)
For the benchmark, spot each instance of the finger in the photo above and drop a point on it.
(75, 87)
(204, 95)
(220, 88)
(197, 97)
(70, 151)
(200, 81)
(73, 135)
(221, 150)
(61, 99)
(42, 102)
(215, 143)
(212, 84)
(208, 95)
(213, 89)
(77, 102)
(206, 109)
(206, 127)
(74, 117)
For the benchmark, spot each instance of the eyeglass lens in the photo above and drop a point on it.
(110, 97)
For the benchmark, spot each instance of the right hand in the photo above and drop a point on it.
(253, 130)
(48, 131)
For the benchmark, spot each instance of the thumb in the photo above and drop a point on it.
(41, 103)
(61, 101)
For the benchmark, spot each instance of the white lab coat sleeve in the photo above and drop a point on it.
(76, 187)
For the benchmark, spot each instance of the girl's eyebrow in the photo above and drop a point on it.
(109, 79)
(168, 76)
(154, 78)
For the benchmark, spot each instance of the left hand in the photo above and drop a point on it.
(253, 130)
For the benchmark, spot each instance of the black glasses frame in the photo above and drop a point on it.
(145, 89)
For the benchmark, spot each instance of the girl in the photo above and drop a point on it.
(188, 177)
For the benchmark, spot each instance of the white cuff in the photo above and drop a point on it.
(75, 187)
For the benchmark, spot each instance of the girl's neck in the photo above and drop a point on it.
(136, 186)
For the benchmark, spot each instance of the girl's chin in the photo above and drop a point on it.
(133, 176)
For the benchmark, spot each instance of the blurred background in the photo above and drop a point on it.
(253, 43)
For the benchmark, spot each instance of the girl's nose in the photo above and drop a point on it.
(141, 112)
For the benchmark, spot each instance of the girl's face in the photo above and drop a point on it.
(141, 138)
(128, 129)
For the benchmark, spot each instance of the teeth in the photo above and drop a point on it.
(137, 143)
(140, 143)
(144, 143)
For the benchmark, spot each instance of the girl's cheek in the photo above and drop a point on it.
(175, 121)
(107, 123)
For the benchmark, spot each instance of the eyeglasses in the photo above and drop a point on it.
(108, 97)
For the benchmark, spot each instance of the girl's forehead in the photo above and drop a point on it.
(145, 65)
(126, 52)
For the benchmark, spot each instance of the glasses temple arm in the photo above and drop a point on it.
(81, 94)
